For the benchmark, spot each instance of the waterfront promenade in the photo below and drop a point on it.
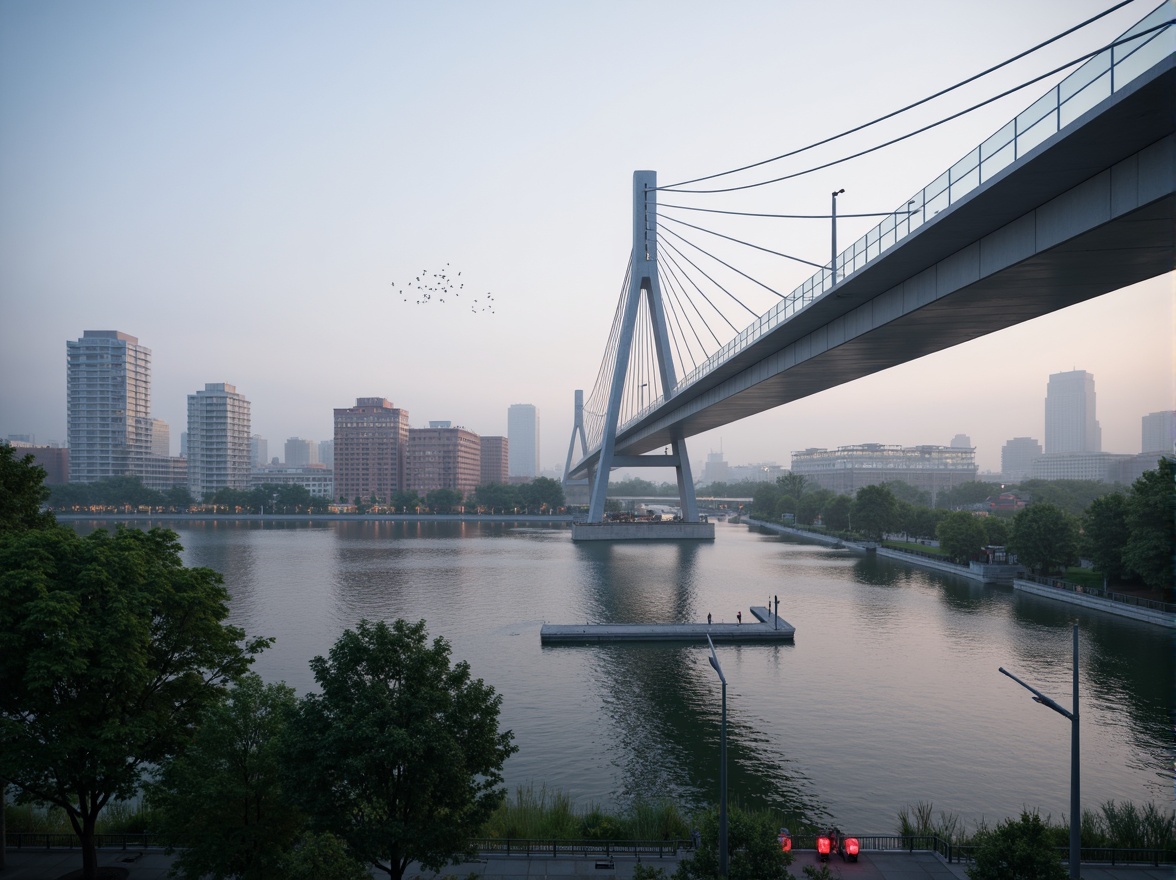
(41, 864)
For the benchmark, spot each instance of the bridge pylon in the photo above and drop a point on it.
(643, 281)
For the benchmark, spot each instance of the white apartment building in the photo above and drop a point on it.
(108, 405)
(218, 440)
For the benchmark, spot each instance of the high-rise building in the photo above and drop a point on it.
(522, 430)
(1070, 423)
(1159, 432)
(1017, 457)
(326, 453)
(108, 405)
(301, 453)
(258, 450)
(716, 469)
(218, 440)
(160, 438)
(961, 441)
(495, 460)
(370, 442)
(443, 458)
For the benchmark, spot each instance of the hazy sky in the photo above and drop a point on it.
(239, 184)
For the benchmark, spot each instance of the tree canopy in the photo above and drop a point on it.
(1150, 513)
(1044, 537)
(1017, 849)
(874, 511)
(110, 651)
(22, 492)
(400, 755)
(961, 535)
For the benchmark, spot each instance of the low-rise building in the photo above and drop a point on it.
(318, 479)
(849, 468)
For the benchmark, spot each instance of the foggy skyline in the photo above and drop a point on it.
(241, 187)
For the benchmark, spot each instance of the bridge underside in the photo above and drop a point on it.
(1089, 211)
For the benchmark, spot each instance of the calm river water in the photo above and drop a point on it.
(890, 694)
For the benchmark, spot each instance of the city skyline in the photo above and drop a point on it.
(245, 214)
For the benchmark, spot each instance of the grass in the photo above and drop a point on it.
(550, 814)
(119, 817)
(915, 547)
(1123, 826)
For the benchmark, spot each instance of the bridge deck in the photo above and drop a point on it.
(766, 628)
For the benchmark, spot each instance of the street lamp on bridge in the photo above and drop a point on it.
(833, 259)
(1075, 799)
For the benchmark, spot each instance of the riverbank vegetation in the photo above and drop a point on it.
(1126, 537)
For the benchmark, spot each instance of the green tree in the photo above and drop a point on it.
(908, 493)
(764, 499)
(996, 531)
(1072, 496)
(110, 651)
(1017, 849)
(1044, 538)
(812, 504)
(322, 857)
(836, 513)
(1150, 550)
(400, 755)
(792, 484)
(220, 803)
(752, 848)
(406, 501)
(443, 500)
(22, 492)
(544, 493)
(965, 493)
(874, 511)
(961, 535)
(1105, 533)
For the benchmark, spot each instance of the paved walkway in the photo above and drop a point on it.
(40, 864)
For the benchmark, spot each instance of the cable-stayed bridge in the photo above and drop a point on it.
(1073, 198)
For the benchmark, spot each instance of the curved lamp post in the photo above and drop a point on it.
(714, 661)
(1075, 799)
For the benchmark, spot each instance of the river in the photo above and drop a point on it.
(890, 694)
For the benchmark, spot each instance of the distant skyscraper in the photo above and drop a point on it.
(326, 453)
(258, 450)
(108, 405)
(218, 440)
(370, 442)
(961, 441)
(1070, 423)
(495, 460)
(1017, 457)
(160, 438)
(301, 453)
(522, 430)
(1159, 432)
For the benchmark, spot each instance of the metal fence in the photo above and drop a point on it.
(1099, 592)
(578, 848)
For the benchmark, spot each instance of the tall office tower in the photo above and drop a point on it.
(522, 430)
(218, 440)
(1017, 457)
(961, 441)
(1070, 423)
(160, 438)
(258, 450)
(301, 453)
(1159, 432)
(326, 453)
(370, 442)
(108, 405)
(443, 457)
(495, 460)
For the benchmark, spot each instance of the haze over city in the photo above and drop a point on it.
(253, 191)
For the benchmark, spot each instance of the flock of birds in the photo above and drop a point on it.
(430, 287)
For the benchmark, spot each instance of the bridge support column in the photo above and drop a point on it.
(643, 280)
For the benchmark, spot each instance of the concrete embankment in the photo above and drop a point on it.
(1098, 603)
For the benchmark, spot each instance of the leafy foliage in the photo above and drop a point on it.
(752, 850)
(1017, 849)
(220, 804)
(22, 492)
(110, 652)
(1104, 528)
(875, 511)
(1044, 538)
(400, 755)
(1072, 496)
(1150, 514)
(961, 535)
(117, 492)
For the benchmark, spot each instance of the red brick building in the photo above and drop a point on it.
(495, 461)
(442, 458)
(371, 439)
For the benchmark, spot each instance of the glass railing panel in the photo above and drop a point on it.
(1085, 87)
(965, 175)
(998, 152)
(1030, 134)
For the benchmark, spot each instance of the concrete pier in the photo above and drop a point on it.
(643, 531)
(766, 627)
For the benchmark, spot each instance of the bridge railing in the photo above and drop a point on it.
(1135, 52)
(1099, 592)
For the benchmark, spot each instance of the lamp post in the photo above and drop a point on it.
(833, 259)
(1075, 799)
(714, 661)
